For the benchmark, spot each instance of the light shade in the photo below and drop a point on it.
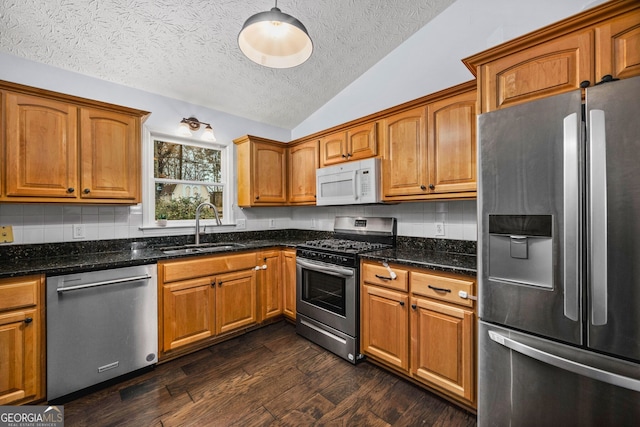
(275, 39)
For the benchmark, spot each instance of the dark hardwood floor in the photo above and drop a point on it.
(268, 377)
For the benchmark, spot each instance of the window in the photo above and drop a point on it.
(186, 173)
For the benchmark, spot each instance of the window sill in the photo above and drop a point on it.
(209, 227)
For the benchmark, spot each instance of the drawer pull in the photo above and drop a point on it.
(439, 289)
(28, 320)
(402, 303)
(384, 277)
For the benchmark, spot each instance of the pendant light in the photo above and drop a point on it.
(275, 39)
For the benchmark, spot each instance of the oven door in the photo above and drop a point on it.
(327, 293)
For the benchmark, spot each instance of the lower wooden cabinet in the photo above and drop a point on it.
(203, 297)
(385, 325)
(289, 283)
(22, 345)
(270, 284)
(202, 300)
(236, 300)
(415, 323)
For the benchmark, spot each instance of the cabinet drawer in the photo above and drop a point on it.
(442, 287)
(377, 274)
(206, 266)
(19, 292)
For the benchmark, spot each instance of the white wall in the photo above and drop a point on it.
(431, 60)
(427, 62)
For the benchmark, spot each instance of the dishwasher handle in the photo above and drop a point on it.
(105, 283)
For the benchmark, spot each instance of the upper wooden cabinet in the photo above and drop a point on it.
(302, 160)
(430, 151)
(262, 172)
(60, 148)
(355, 143)
(601, 41)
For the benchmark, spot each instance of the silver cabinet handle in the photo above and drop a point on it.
(598, 215)
(566, 364)
(107, 282)
(571, 202)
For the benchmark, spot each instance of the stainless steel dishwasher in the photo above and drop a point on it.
(100, 325)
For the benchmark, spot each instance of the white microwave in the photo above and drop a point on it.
(349, 183)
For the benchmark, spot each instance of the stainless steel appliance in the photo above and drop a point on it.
(349, 183)
(327, 281)
(559, 260)
(100, 325)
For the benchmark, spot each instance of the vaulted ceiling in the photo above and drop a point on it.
(187, 49)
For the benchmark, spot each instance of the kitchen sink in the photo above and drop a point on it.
(200, 248)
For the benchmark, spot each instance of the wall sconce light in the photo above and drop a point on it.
(275, 39)
(190, 125)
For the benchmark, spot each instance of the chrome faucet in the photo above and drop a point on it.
(198, 209)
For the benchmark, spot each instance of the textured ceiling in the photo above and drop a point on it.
(187, 49)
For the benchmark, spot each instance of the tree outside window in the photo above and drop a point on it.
(185, 176)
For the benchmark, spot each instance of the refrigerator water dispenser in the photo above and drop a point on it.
(521, 249)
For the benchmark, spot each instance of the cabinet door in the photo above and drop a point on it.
(188, 312)
(270, 174)
(270, 284)
(618, 47)
(289, 283)
(19, 356)
(333, 149)
(41, 147)
(236, 304)
(110, 156)
(442, 339)
(303, 162)
(385, 326)
(362, 141)
(451, 125)
(543, 70)
(404, 165)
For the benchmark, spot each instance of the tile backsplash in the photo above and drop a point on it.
(48, 223)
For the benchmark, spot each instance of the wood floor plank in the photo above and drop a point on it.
(267, 377)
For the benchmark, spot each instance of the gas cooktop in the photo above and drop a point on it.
(345, 245)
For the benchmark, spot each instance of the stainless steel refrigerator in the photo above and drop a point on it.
(559, 260)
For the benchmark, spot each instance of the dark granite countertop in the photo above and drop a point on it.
(76, 257)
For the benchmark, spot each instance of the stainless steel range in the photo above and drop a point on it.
(327, 280)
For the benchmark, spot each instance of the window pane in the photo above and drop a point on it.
(179, 201)
(185, 162)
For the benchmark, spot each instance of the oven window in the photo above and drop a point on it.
(325, 291)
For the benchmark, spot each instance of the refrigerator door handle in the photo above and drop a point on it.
(598, 216)
(566, 364)
(571, 208)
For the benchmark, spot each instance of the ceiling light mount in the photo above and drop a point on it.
(275, 39)
(190, 125)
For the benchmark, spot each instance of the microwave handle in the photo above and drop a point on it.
(355, 185)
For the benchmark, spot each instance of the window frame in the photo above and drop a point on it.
(148, 181)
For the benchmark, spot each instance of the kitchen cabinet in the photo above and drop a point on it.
(556, 59)
(302, 160)
(66, 149)
(354, 143)
(270, 283)
(262, 172)
(289, 283)
(201, 298)
(417, 325)
(443, 334)
(430, 150)
(22, 348)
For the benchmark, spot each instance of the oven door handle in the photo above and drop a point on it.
(324, 268)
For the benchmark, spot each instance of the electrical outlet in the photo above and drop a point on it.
(272, 223)
(241, 224)
(6, 234)
(313, 223)
(78, 231)
(439, 228)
